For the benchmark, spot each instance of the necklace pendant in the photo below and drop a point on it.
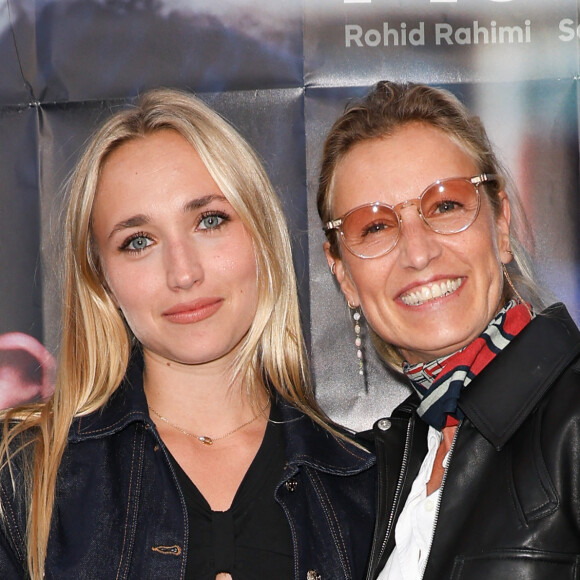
(206, 440)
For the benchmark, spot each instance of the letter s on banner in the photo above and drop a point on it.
(567, 27)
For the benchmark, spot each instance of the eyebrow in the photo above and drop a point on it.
(133, 222)
(200, 202)
(142, 219)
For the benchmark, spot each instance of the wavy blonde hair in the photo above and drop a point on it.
(390, 106)
(96, 342)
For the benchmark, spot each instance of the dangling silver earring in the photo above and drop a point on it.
(511, 285)
(357, 340)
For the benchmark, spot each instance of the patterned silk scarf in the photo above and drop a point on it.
(438, 383)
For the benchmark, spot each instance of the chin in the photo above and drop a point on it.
(433, 351)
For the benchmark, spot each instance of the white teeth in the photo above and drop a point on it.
(431, 291)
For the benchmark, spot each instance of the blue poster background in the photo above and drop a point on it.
(281, 73)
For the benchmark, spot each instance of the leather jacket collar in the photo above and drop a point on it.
(498, 412)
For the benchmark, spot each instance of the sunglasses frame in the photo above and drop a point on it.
(476, 181)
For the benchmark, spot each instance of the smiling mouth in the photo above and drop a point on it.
(432, 291)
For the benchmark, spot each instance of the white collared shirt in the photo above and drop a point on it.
(416, 525)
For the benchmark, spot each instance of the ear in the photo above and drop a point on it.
(502, 223)
(342, 276)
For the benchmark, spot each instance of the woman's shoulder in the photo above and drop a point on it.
(562, 400)
(556, 362)
(326, 446)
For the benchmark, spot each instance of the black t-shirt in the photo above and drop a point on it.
(251, 540)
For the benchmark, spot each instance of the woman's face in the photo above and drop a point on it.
(176, 257)
(396, 169)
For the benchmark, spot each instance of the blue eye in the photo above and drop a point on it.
(212, 221)
(446, 206)
(137, 243)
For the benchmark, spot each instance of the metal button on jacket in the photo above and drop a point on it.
(313, 575)
(291, 484)
(384, 424)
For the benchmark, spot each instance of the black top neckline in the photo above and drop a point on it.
(252, 538)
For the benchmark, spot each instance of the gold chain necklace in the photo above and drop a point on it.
(204, 438)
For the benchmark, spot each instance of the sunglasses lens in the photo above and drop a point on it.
(450, 206)
(371, 230)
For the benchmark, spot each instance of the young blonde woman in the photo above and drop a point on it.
(183, 440)
(478, 470)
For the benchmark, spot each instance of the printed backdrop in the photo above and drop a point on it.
(281, 73)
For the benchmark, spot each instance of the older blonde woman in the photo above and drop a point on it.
(479, 469)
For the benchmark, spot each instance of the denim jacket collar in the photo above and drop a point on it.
(306, 442)
(126, 405)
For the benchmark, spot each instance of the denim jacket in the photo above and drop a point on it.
(120, 513)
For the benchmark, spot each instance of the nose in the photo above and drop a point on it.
(183, 266)
(419, 244)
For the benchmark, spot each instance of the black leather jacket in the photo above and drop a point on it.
(120, 512)
(510, 498)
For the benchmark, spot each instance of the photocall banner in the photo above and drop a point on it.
(515, 63)
(282, 73)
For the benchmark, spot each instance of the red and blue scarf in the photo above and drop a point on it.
(438, 383)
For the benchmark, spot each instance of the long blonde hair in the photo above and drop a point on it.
(96, 342)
